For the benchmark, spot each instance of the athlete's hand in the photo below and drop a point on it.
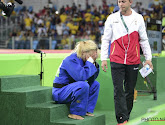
(94, 55)
(87, 55)
(104, 65)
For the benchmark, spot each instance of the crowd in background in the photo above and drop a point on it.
(72, 23)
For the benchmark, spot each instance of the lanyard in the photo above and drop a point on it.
(124, 22)
(122, 38)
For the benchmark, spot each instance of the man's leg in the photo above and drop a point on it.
(118, 77)
(130, 83)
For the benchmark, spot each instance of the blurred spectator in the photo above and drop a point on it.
(73, 29)
(50, 4)
(41, 31)
(63, 17)
(47, 23)
(55, 20)
(111, 8)
(88, 16)
(62, 10)
(104, 2)
(92, 36)
(157, 11)
(74, 8)
(85, 36)
(65, 29)
(65, 41)
(40, 21)
(146, 15)
(136, 7)
(28, 22)
(67, 9)
(31, 15)
(79, 9)
(59, 29)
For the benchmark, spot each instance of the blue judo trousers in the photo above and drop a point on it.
(79, 87)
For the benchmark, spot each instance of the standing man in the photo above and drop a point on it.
(127, 33)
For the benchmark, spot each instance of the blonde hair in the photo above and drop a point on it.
(84, 46)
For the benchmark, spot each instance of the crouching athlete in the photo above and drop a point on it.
(75, 83)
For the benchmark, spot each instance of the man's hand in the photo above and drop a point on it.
(149, 63)
(103, 65)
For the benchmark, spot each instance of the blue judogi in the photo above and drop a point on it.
(79, 86)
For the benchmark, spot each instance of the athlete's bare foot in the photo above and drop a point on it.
(89, 114)
(75, 117)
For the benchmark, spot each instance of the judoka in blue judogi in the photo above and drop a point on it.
(75, 83)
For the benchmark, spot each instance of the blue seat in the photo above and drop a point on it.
(55, 7)
(18, 9)
(30, 8)
(54, 43)
(35, 43)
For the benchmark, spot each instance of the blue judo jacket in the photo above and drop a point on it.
(73, 69)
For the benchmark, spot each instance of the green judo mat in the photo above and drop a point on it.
(30, 64)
